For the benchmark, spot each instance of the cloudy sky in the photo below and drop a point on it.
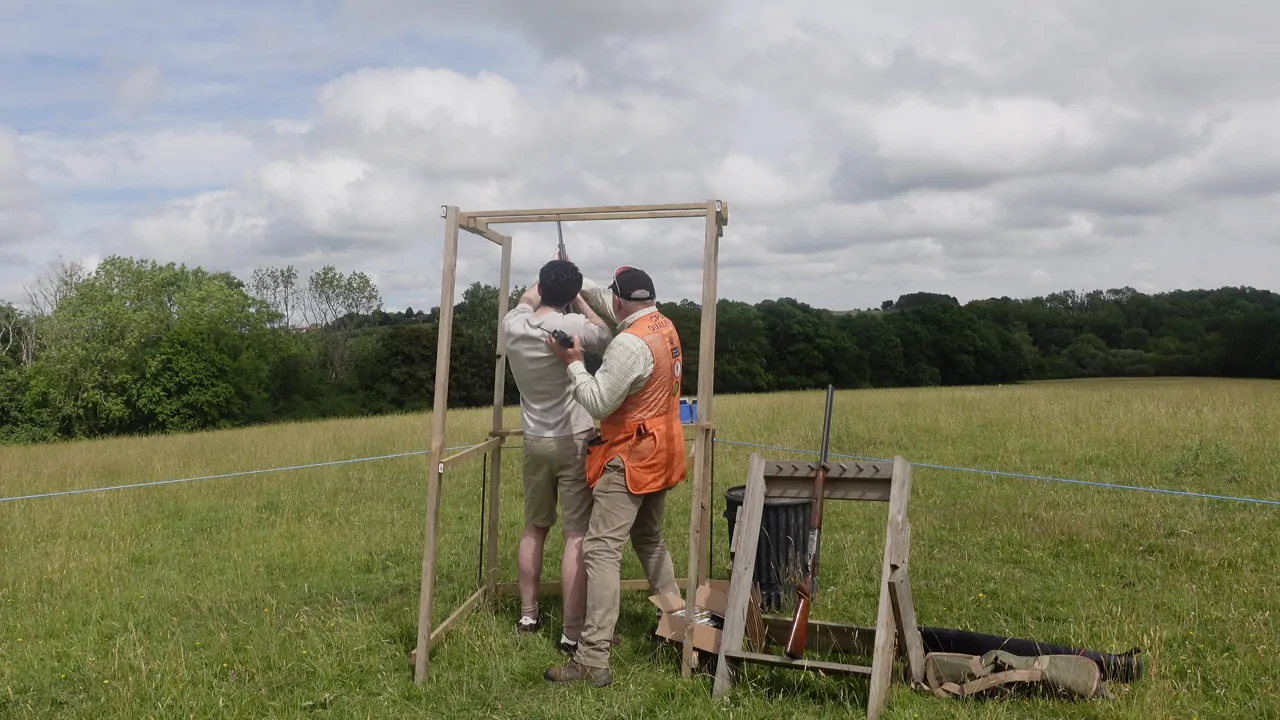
(979, 148)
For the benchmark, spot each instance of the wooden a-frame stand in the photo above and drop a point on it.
(716, 214)
(896, 621)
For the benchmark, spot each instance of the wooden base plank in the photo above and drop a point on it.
(824, 637)
(458, 616)
(782, 661)
(555, 588)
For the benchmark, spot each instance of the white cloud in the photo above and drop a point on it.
(208, 227)
(21, 203)
(754, 182)
(866, 150)
(318, 192)
(183, 157)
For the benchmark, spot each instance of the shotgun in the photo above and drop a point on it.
(562, 255)
(808, 587)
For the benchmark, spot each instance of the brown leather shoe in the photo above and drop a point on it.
(573, 672)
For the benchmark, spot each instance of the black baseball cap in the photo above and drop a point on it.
(632, 284)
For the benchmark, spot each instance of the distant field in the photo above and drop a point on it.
(295, 594)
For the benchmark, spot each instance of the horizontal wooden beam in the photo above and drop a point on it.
(484, 231)
(554, 588)
(861, 470)
(585, 210)
(782, 661)
(518, 432)
(835, 489)
(471, 452)
(845, 481)
(651, 215)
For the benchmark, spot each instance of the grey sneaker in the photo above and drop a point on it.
(573, 672)
(529, 625)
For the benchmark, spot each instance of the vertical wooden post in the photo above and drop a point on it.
(886, 635)
(700, 508)
(742, 577)
(499, 387)
(440, 407)
(704, 565)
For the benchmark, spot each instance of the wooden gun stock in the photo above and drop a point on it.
(799, 629)
(809, 586)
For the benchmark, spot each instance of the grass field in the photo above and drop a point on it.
(295, 594)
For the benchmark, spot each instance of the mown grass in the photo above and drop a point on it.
(295, 594)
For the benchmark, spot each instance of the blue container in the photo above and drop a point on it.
(688, 411)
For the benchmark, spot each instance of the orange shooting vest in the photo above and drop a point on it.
(645, 430)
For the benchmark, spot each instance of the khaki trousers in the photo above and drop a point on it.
(616, 515)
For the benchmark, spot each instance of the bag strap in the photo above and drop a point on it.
(983, 684)
(945, 689)
(948, 690)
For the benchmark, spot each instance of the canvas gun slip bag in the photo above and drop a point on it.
(953, 675)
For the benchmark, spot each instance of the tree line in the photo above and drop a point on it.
(136, 347)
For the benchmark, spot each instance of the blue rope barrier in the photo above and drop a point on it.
(1045, 478)
(224, 475)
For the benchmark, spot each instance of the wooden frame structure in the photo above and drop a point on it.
(716, 214)
(896, 619)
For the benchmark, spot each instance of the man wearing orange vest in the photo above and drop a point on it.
(638, 457)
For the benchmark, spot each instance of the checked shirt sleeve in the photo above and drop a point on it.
(626, 365)
(600, 300)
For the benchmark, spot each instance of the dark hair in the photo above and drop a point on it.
(559, 282)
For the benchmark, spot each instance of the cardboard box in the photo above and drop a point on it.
(710, 602)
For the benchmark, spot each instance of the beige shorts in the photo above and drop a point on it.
(557, 466)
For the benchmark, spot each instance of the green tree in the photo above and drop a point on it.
(402, 371)
(686, 315)
(337, 306)
(872, 332)
(742, 346)
(143, 347)
(278, 289)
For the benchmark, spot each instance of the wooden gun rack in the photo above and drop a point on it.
(896, 622)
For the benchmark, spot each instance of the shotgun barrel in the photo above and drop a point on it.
(808, 588)
(562, 255)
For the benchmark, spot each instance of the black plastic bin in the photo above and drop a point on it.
(784, 533)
